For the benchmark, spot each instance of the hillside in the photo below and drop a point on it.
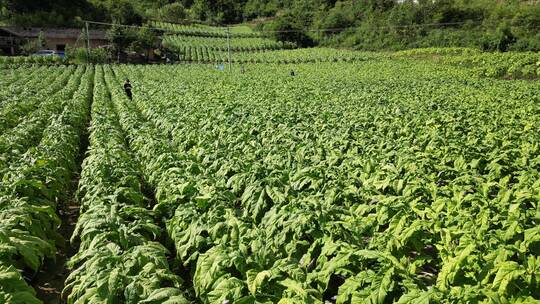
(361, 24)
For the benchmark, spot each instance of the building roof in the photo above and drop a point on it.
(33, 32)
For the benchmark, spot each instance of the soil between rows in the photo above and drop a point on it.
(49, 281)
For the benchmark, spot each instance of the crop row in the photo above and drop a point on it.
(15, 141)
(314, 55)
(14, 81)
(437, 52)
(513, 65)
(18, 60)
(31, 189)
(119, 259)
(199, 30)
(221, 45)
(29, 98)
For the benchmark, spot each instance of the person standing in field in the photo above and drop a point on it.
(127, 88)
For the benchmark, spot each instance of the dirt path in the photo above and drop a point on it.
(49, 281)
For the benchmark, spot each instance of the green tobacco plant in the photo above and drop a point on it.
(388, 190)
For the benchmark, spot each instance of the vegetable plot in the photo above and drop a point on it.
(380, 182)
(119, 260)
(381, 179)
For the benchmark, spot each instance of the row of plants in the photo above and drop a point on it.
(120, 259)
(296, 56)
(502, 65)
(17, 140)
(200, 30)
(13, 79)
(210, 220)
(159, 161)
(221, 44)
(16, 108)
(31, 189)
(354, 184)
(192, 44)
(25, 82)
(420, 52)
(18, 60)
(311, 55)
(485, 64)
(17, 81)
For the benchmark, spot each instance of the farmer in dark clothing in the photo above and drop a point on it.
(292, 73)
(127, 88)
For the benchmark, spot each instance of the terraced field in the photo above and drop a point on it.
(203, 30)
(207, 44)
(377, 181)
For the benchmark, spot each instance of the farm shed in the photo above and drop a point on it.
(55, 39)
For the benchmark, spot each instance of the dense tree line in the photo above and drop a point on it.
(382, 24)
(61, 13)
(363, 24)
(388, 24)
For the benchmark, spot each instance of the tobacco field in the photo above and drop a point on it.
(384, 180)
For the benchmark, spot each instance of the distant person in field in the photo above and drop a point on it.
(292, 73)
(127, 88)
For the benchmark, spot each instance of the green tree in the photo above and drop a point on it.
(173, 12)
(337, 17)
(287, 29)
(146, 40)
(34, 45)
(120, 38)
(504, 37)
(123, 12)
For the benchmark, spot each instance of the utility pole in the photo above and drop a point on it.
(229, 48)
(87, 43)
